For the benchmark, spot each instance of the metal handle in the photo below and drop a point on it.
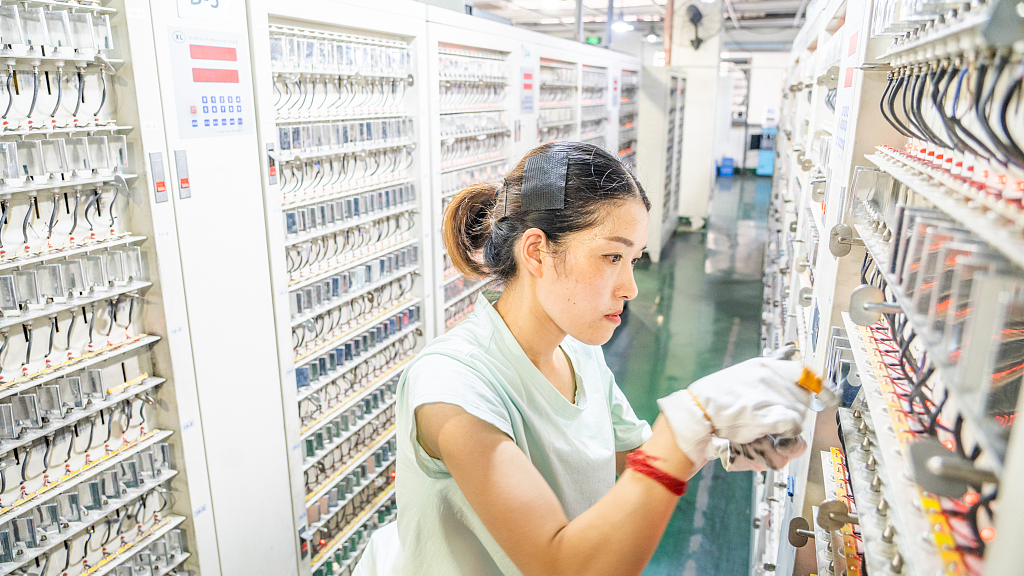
(841, 239)
(867, 304)
(962, 470)
(833, 515)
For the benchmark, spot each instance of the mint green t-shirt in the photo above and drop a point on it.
(480, 367)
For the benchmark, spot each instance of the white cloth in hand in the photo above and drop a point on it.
(745, 402)
(766, 452)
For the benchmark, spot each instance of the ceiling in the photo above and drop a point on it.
(748, 25)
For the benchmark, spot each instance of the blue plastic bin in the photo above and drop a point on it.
(726, 167)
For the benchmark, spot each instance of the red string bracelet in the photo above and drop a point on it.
(640, 461)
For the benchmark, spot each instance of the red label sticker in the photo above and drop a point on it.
(192, 109)
(161, 187)
(527, 76)
(527, 86)
(273, 170)
(849, 78)
(184, 183)
(214, 75)
(199, 52)
(853, 43)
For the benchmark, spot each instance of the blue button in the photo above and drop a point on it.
(238, 99)
(223, 121)
(206, 122)
(221, 99)
(239, 108)
(239, 121)
(195, 123)
(232, 121)
(222, 109)
(215, 122)
(230, 99)
(231, 108)
(206, 109)
(204, 99)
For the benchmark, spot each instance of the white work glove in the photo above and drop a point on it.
(766, 452)
(736, 406)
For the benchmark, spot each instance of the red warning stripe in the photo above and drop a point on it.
(200, 52)
(214, 75)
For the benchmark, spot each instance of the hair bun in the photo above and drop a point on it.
(467, 226)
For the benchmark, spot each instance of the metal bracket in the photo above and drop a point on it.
(841, 240)
(830, 79)
(799, 533)
(806, 296)
(944, 473)
(833, 515)
(875, 67)
(867, 304)
(818, 186)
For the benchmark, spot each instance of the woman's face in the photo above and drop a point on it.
(584, 291)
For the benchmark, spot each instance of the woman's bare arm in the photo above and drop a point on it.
(615, 537)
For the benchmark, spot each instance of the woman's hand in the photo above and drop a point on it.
(740, 404)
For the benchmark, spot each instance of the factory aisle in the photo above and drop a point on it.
(698, 311)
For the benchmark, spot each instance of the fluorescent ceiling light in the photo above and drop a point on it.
(621, 26)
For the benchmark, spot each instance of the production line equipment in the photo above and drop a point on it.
(897, 265)
(475, 96)
(594, 101)
(660, 136)
(558, 101)
(628, 114)
(85, 466)
(345, 150)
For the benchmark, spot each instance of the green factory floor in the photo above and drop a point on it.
(699, 310)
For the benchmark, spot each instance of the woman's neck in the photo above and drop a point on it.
(531, 326)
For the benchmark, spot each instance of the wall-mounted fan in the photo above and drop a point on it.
(709, 26)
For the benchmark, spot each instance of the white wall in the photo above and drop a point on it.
(701, 67)
(767, 73)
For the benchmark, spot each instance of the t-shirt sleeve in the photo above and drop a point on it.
(436, 378)
(630, 431)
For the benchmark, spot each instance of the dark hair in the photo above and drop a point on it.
(483, 222)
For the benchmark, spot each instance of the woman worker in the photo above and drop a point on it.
(511, 429)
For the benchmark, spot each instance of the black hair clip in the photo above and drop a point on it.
(544, 182)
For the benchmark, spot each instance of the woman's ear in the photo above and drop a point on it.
(533, 250)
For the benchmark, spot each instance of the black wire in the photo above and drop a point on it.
(24, 462)
(110, 425)
(85, 546)
(972, 517)
(71, 444)
(46, 453)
